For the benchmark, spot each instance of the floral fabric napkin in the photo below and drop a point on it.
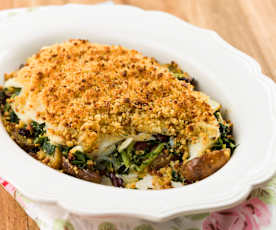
(258, 212)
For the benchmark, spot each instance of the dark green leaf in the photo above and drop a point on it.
(16, 92)
(38, 129)
(80, 156)
(3, 97)
(123, 170)
(13, 117)
(80, 159)
(181, 76)
(64, 149)
(41, 140)
(225, 140)
(48, 148)
(104, 163)
(176, 177)
(7, 107)
(77, 162)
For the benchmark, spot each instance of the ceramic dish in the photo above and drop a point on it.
(227, 75)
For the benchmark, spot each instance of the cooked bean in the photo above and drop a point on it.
(116, 181)
(24, 132)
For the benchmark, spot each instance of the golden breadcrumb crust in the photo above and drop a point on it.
(85, 91)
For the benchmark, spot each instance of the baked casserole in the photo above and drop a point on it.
(110, 115)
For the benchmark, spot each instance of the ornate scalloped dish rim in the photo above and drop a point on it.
(236, 196)
(253, 66)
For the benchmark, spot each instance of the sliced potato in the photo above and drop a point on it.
(210, 134)
(201, 167)
(84, 174)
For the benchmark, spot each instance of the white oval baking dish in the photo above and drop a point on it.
(227, 75)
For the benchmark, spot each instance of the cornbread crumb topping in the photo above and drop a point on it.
(85, 92)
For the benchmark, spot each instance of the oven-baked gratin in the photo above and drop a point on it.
(110, 115)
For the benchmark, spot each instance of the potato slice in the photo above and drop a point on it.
(201, 167)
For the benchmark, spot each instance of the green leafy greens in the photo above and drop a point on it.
(178, 73)
(64, 149)
(176, 177)
(16, 92)
(44, 142)
(226, 138)
(80, 159)
(122, 162)
(38, 129)
(13, 117)
(151, 156)
(48, 148)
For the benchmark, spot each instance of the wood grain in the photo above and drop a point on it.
(249, 25)
(12, 216)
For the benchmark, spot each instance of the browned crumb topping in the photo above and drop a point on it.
(85, 91)
(163, 179)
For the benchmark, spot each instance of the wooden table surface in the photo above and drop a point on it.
(249, 25)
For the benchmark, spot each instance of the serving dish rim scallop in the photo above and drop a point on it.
(152, 205)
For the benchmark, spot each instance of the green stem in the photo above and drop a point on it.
(127, 154)
(152, 155)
